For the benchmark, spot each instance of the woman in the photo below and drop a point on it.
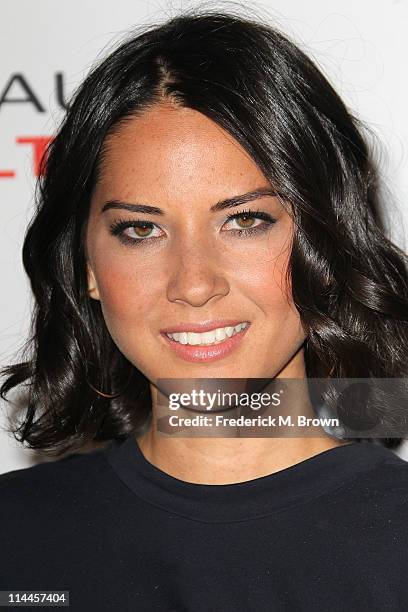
(208, 211)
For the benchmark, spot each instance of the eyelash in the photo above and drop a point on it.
(117, 228)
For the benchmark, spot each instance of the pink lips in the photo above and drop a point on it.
(201, 353)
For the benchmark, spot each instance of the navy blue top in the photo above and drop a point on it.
(328, 533)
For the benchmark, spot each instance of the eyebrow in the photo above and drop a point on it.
(262, 192)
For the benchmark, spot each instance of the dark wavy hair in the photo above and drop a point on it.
(349, 281)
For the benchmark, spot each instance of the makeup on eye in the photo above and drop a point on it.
(118, 227)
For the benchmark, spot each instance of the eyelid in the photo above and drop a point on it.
(252, 213)
(117, 227)
(120, 225)
(262, 214)
(258, 230)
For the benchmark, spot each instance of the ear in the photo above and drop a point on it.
(93, 291)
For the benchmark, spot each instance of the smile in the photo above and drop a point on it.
(215, 336)
(206, 346)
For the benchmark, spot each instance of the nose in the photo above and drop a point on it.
(196, 275)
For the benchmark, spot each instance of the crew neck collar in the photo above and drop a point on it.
(251, 499)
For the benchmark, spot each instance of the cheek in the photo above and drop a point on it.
(273, 290)
(127, 295)
(263, 276)
(265, 283)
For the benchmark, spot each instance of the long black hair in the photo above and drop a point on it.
(349, 281)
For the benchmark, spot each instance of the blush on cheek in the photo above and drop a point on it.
(119, 294)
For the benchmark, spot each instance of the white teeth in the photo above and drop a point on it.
(220, 334)
(193, 338)
(210, 337)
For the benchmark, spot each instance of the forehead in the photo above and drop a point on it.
(174, 150)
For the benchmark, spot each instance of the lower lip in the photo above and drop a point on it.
(212, 352)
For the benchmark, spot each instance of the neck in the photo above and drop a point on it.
(240, 456)
(228, 460)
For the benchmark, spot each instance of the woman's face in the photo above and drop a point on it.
(180, 264)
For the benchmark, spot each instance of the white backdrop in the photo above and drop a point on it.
(46, 48)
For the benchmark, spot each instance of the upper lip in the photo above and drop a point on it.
(203, 326)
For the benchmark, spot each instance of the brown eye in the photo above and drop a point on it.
(245, 221)
(142, 231)
(135, 232)
(248, 223)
